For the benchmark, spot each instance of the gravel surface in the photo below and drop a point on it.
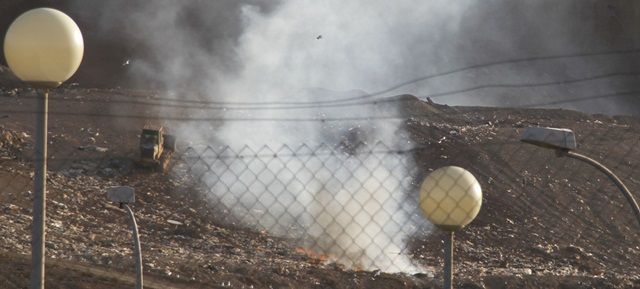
(546, 222)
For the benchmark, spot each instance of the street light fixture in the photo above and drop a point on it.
(450, 197)
(126, 195)
(564, 142)
(43, 47)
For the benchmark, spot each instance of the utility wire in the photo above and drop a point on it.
(580, 99)
(207, 105)
(529, 85)
(302, 119)
(412, 81)
(445, 73)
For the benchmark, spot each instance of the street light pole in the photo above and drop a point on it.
(40, 195)
(125, 195)
(43, 47)
(138, 251)
(450, 197)
(563, 141)
(448, 260)
(625, 191)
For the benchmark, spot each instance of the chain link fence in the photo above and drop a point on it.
(356, 207)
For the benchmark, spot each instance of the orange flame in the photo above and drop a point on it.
(315, 258)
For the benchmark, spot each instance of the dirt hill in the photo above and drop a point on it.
(546, 222)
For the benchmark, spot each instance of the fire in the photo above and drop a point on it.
(315, 258)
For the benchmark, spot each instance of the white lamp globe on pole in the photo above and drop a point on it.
(450, 197)
(43, 47)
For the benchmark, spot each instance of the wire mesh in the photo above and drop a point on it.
(357, 207)
(351, 207)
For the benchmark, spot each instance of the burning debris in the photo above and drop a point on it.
(381, 46)
(187, 240)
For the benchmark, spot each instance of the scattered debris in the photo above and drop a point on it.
(93, 148)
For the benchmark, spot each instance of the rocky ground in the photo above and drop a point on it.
(546, 222)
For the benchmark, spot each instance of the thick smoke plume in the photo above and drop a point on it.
(259, 57)
(308, 53)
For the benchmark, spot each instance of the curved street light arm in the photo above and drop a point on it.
(625, 191)
(136, 240)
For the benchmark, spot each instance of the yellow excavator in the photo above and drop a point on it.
(156, 148)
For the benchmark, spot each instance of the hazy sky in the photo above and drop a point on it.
(223, 47)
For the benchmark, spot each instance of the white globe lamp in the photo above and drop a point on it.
(450, 197)
(43, 47)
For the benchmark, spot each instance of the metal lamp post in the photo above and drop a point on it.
(450, 197)
(124, 196)
(43, 47)
(563, 141)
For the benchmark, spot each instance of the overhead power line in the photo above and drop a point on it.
(581, 99)
(299, 119)
(212, 106)
(165, 101)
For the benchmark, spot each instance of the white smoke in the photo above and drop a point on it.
(351, 205)
(348, 207)
(310, 51)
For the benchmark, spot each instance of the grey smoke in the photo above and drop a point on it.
(170, 44)
(196, 45)
(250, 51)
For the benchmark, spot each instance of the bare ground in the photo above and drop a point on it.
(546, 222)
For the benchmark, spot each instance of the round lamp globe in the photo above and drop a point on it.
(450, 197)
(43, 47)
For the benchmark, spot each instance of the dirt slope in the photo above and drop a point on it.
(546, 222)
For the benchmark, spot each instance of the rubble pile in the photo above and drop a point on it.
(180, 238)
(545, 222)
(11, 142)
